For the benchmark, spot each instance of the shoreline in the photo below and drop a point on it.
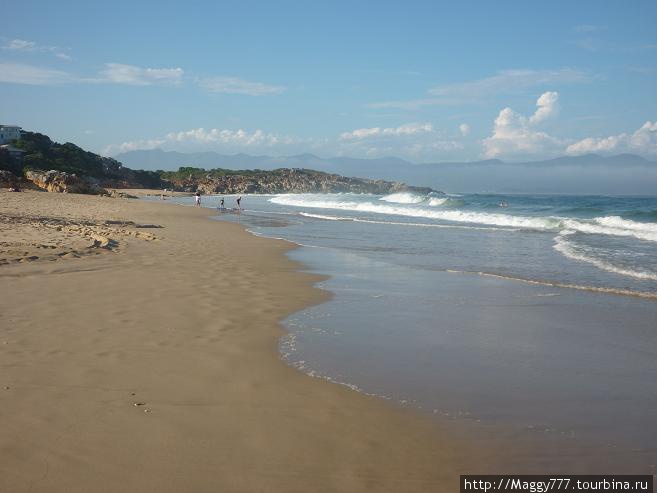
(532, 438)
(132, 376)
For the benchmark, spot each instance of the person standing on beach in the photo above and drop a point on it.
(221, 204)
(239, 199)
(197, 198)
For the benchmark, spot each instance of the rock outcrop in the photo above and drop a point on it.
(59, 181)
(287, 180)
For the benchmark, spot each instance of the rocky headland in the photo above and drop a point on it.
(284, 180)
(67, 168)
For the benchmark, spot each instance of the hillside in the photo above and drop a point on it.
(282, 180)
(42, 154)
(69, 168)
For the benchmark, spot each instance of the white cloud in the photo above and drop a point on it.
(517, 135)
(514, 134)
(235, 85)
(505, 81)
(20, 73)
(406, 129)
(31, 46)
(21, 45)
(225, 139)
(119, 73)
(133, 146)
(416, 140)
(234, 137)
(642, 141)
(115, 73)
(464, 128)
(547, 107)
(509, 81)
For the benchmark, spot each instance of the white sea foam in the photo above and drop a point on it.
(565, 247)
(619, 222)
(608, 225)
(399, 223)
(502, 220)
(433, 225)
(403, 198)
(327, 218)
(613, 226)
(647, 231)
(435, 201)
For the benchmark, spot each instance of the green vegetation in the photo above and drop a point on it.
(148, 179)
(7, 162)
(191, 173)
(188, 172)
(42, 153)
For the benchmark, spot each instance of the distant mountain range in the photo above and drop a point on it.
(589, 174)
(171, 160)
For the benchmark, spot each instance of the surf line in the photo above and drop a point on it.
(578, 287)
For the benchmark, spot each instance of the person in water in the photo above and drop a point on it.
(197, 198)
(221, 204)
(239, 199)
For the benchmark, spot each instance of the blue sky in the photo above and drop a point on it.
(425, 81)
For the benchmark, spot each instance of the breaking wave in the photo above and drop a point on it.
(566, 248)
(431, 200)
(399, 223)
(606, 225)
(502, 220)
(403, 198)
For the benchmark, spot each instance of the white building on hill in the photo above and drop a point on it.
(9, 133)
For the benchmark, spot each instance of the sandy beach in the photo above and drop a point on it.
(138, 352)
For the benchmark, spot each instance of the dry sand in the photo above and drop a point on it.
(138, 353)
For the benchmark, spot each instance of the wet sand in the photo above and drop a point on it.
(138, 352)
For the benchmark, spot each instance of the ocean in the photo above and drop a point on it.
(527, 319)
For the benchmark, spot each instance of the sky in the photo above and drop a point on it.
(425, 81)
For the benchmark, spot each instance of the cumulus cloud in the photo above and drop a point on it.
(133, 146)
(547, 107)
(414, 140)
(200, 137)
(406, 129)
(464, 128)
(235, 85)
(119, 73)
(642, 141)
(417, 140)
(515, 134)
(234, 137)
